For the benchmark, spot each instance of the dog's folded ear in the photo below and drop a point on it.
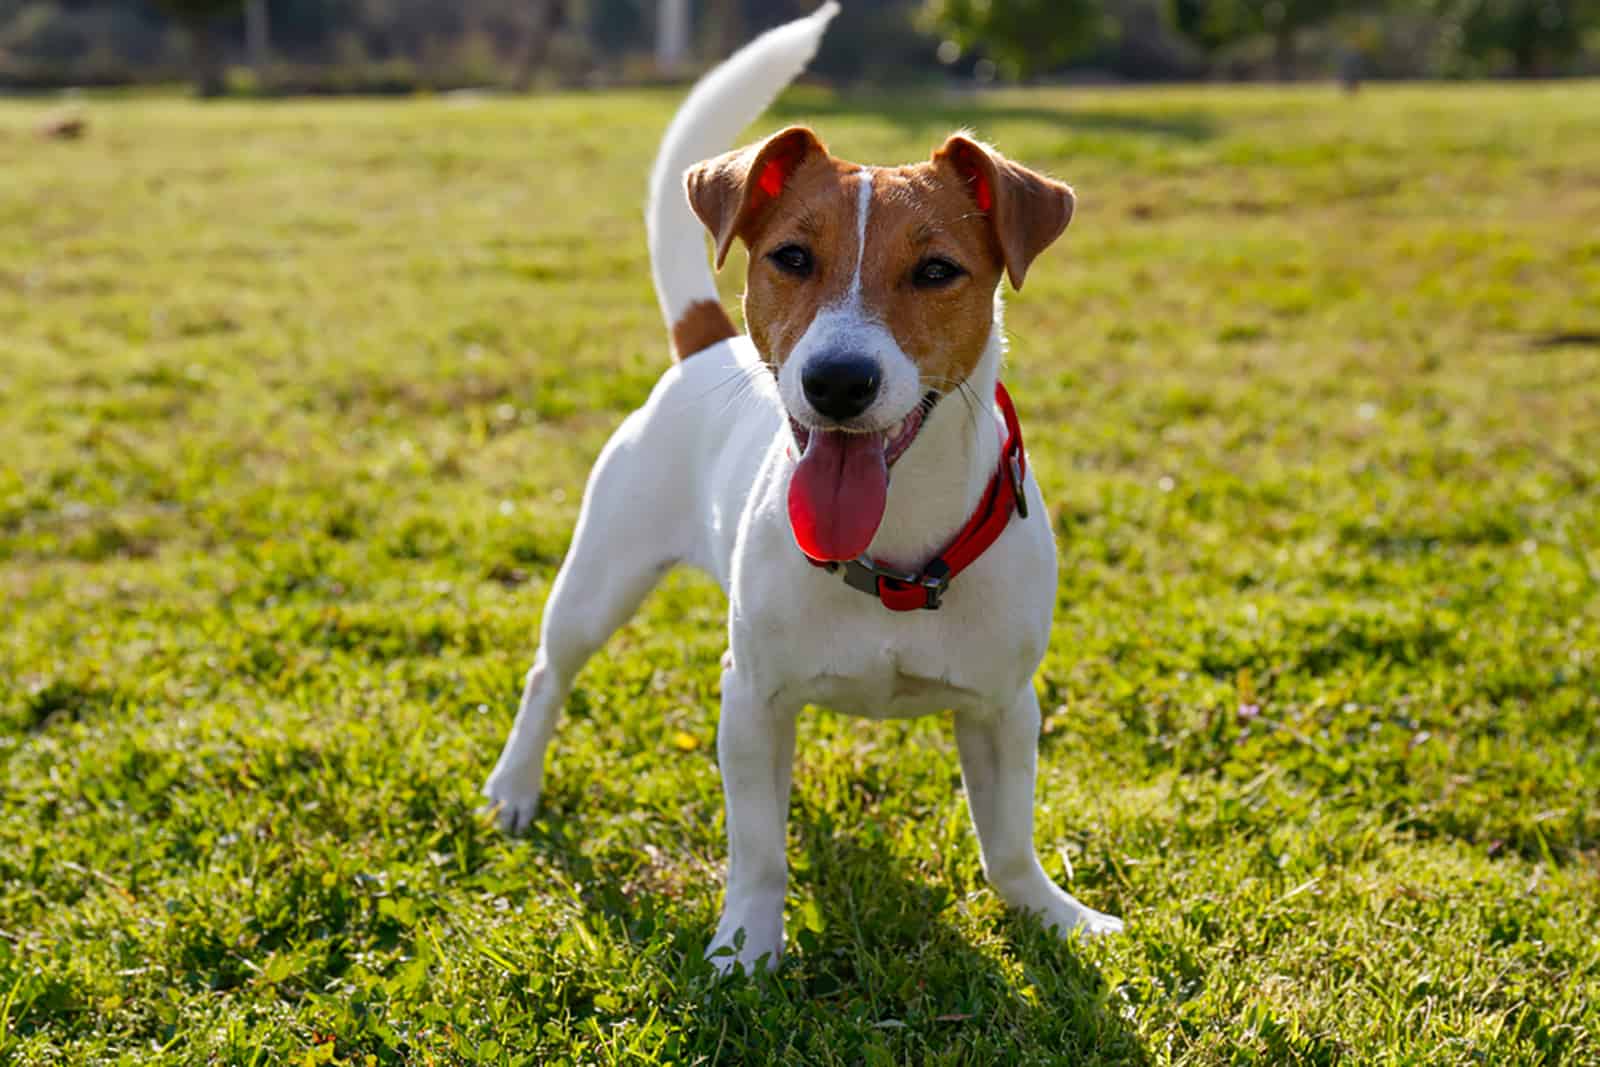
(732, 191)
(1026, 210)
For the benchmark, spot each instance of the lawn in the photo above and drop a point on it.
(297, 400)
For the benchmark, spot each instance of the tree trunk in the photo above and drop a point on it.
(1528, 61)
(1352, 66)
(1283, 57)
(205, 56)
(258, 35)
(727, 25)
(543, 18)
(672, 36)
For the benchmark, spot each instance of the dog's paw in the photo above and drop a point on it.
(750, 934)
(729, 957)
(512, 805)
(1066, 916)
(1097, 924)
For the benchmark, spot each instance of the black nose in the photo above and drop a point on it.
(840, 385)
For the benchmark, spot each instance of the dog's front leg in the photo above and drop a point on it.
(998, 756)
(755, 750)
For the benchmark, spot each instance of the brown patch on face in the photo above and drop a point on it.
(938, 237)
(702, 324)
(1027, 211)
(733, 192)
(917, 216)
(815, 217)
(921, 220)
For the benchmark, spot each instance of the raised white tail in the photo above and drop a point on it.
(720, 106)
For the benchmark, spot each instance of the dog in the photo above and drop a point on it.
(867, 509)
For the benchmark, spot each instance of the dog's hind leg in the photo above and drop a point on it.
(615, 560)
(998, 758)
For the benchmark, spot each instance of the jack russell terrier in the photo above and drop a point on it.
(877, 454)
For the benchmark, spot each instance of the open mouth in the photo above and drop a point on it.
(840, 486)
(896, 439)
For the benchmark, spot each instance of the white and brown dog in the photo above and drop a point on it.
(874, 350)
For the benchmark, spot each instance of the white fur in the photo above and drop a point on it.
(718, 109)
(847, 326)
(691, 478)
(863, 211)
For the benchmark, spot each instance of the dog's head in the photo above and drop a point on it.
(871, 295)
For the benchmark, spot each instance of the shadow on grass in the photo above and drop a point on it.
(875, 969)
(940, 115)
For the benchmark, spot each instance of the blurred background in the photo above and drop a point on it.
(403, 46)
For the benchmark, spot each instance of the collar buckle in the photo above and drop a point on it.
(935, 580)
(863, 574)
(924, 591)
(897, 589)
(1018, 489)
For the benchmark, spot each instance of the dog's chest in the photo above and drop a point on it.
(800, 635)
(869, 662)
(888, 688)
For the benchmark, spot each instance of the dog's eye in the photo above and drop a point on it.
(792, 259)
(933, 273)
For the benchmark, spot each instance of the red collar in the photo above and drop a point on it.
(923, 590)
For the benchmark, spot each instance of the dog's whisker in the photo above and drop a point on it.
(970, 397)
(743, 381)
(740, 375)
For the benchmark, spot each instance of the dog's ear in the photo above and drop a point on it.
(730, 192)
(1026, 210)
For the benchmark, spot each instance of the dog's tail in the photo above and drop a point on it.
(718, 109)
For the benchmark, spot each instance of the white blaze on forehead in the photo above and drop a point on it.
(845, 325)
(863, 203)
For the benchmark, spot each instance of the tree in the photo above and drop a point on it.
(546, 19)
(726, 21)
(1281, 20)
(1532, 37)
(1216, 23)
(1024, 37)
(198, 18)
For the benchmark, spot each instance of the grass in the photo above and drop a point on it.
(297, 403)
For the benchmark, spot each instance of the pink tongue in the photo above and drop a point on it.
(838, 493)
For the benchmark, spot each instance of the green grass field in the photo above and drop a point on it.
(297, 401)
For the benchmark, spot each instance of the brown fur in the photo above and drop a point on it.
(917, 212)
(1028, 210)
(727, 194)
(702, 324)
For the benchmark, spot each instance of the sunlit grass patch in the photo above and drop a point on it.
(297, 401)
